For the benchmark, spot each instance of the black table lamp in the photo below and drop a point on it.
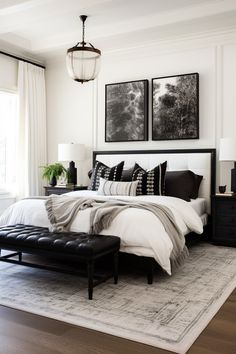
(71, 152)
(228, 153)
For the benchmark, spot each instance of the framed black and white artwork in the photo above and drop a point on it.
(126, 112)
(175, 107)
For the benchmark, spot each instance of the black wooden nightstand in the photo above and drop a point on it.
(224, 220)
(61, 190)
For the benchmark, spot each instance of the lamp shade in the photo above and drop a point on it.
(227, 149)
(71, 152)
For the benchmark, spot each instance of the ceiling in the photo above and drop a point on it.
(46, 27)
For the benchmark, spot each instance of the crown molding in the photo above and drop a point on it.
(181, 43)
(13, 50)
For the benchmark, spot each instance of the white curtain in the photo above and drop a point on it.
(32, 129)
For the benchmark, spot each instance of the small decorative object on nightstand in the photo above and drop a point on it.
(222, 189)
(61, 190)
(224, 219)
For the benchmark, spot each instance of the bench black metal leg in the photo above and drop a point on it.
(90, 266)
(150, 270)
(116, 263)
(20, 256)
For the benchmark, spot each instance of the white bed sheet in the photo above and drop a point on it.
(199, 205)
(140, 231)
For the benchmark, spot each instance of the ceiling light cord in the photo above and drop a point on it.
(83, 19)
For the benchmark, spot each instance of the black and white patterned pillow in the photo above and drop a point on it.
(117, 188)
(150, 182)
(110, 173)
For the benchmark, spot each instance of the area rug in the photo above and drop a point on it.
(169, 314)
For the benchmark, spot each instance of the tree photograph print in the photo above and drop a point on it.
(175, 110)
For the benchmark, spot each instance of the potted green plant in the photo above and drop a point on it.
(52, 172)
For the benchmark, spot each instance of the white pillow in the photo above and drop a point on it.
(117, 188)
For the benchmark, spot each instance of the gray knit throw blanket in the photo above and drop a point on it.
(63, 209)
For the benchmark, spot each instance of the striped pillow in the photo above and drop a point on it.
(110, 173)
(117, 188)
(150, 182)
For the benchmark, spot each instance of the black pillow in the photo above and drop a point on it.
(128, 174)
(182, 184)
(110, 173)
(197, 182)
(150, 182)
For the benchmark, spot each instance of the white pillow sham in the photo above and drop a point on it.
(117, 188)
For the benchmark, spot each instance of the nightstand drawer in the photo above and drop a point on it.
(226, 220)
(226, 234)
(225, 207)
(55, 191)
(61, 190)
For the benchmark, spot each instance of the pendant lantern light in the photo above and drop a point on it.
(83, 60)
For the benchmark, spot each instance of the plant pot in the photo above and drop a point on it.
(53, 181)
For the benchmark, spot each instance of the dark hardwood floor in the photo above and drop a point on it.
(24, 333)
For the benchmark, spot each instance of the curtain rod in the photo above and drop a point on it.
(22, 59)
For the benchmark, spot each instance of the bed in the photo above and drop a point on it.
(138, 229)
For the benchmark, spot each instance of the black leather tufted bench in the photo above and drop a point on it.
(66, 245)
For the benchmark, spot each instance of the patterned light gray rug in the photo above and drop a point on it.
(169, 314)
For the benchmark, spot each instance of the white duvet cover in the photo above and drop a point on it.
(140, 231)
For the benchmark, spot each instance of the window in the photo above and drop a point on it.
(8, 129)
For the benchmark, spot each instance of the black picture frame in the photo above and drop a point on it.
(126, 111)
(172, 120)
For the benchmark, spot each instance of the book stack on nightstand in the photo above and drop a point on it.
(224, 219)
(61, 189)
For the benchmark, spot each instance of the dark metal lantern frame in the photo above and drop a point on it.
(83, 46)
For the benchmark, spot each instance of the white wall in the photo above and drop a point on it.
(228, 109)
(69, 113)
(152, 64)
(77, 112)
